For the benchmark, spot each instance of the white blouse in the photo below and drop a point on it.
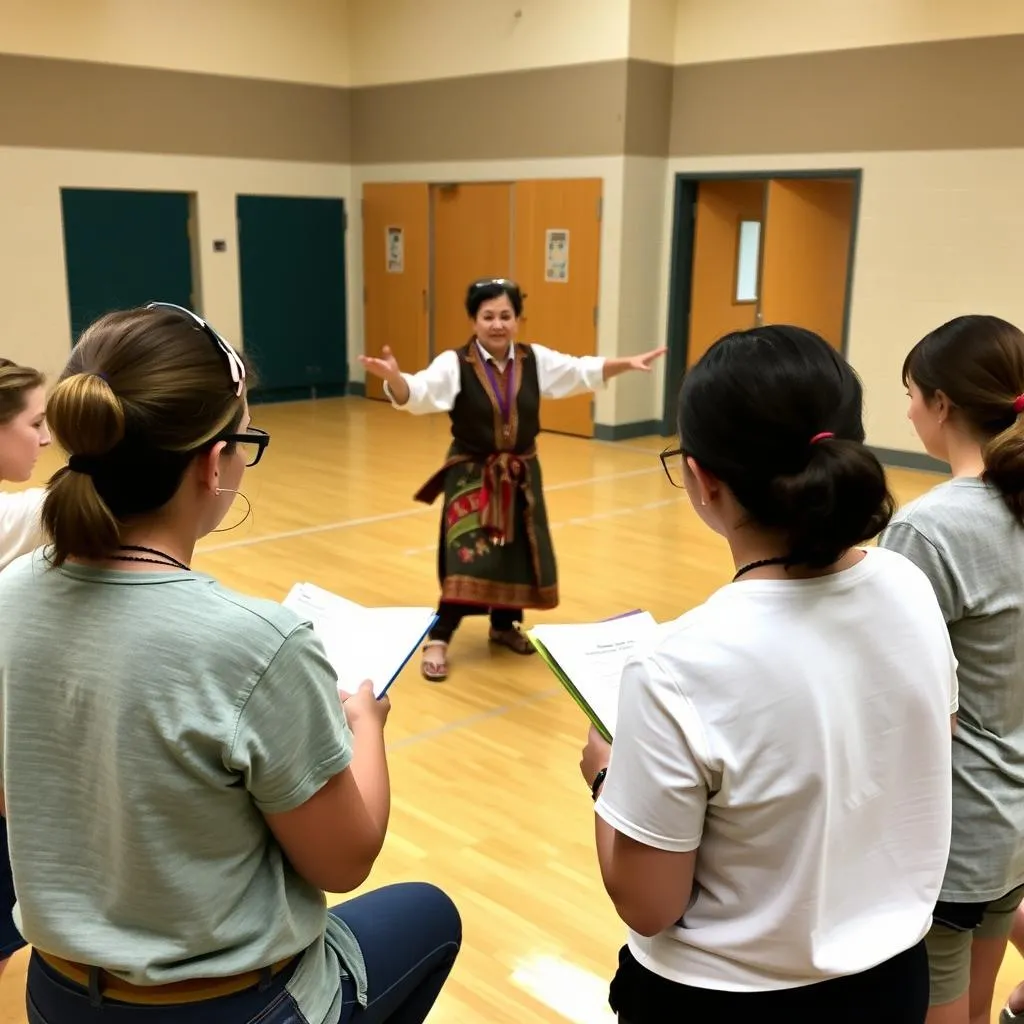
(435, 388)
(21, 529)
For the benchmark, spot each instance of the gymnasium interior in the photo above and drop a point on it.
(321, 178)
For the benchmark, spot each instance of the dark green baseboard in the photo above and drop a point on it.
(357, 387)
(909, 460)
(626, 431)
(269, 396)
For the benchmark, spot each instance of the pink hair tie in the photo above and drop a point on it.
(1018, 404)
(824, 436)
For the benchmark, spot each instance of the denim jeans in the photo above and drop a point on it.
(409, 934)
(10, 938)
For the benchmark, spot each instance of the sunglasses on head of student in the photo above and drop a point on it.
(235, 364)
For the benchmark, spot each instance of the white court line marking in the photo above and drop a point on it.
(471, 720)
(383, 517)
(575, 521)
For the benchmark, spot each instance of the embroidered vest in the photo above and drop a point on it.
(478, 425)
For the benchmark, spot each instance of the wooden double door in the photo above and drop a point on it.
(423, 244)
(769, 251)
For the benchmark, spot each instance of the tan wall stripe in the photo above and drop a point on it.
(959, 94)
(78, 105)
(943, 95)
(576, 110)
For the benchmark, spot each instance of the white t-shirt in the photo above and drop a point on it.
(798, 733)
(20, 525)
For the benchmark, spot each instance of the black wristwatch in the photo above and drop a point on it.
(598, 779)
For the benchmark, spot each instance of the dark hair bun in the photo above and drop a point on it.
(751, 412)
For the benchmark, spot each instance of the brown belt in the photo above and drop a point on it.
(190, 990)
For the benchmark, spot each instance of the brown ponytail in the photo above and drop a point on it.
(977, 362)
(143, 392)
(83, 408)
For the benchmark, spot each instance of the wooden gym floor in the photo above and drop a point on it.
(487, 798)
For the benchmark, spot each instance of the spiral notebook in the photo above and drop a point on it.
(360, 642)
(588, 658)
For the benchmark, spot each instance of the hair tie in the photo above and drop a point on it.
(823, 436)
(1018, 404)
(85, 464)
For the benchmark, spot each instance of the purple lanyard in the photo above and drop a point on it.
(504, 404)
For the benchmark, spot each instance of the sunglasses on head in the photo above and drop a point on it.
(502, 282)
(235, 364)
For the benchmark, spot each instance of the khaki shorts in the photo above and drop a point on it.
(955, 926)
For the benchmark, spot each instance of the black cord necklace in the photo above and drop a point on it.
(750, 566)
(162, 557)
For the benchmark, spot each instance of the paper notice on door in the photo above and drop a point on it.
(556, 249)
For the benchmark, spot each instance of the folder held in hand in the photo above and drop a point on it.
(588, 659)
(362, 643)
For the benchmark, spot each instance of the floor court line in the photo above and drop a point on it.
(576, 520)
(470, 720)
(383, 517)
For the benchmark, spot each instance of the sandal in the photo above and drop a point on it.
(514, 639)
(434, 670)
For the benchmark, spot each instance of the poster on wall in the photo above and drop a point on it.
(556, 250)
(395, 250)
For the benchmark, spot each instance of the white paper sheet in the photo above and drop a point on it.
(593, 654)
(361, 643)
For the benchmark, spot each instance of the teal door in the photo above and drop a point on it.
(291, 254)
(124, 249)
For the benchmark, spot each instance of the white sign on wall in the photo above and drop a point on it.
(556, 255)
(395, 250)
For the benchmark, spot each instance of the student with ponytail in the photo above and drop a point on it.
(772, 818)
(183, 779)
(965, 381)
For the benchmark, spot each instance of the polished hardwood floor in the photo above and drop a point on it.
(487, 798)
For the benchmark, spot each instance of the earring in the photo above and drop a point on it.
(248, 509)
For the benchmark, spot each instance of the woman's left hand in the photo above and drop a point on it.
(596, 755)
(643, 362)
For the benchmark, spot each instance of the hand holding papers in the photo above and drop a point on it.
(588, 658)
(361, 643)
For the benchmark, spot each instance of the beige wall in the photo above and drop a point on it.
(717, 30)
(34, 317)
(285, 40)
(652, 30)
(412, 40)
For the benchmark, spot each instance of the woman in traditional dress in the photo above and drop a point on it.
(495, 553)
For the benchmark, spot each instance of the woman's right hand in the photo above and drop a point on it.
(362, 707)
(386, 367)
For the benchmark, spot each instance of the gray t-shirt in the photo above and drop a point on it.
(147, 721)
(962, 535)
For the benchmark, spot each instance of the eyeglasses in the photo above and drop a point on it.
(673, 453)
(235, 364)
(253, 436)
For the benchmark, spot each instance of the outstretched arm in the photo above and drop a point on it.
(642, 362)
(433, 389)
(561, 375)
